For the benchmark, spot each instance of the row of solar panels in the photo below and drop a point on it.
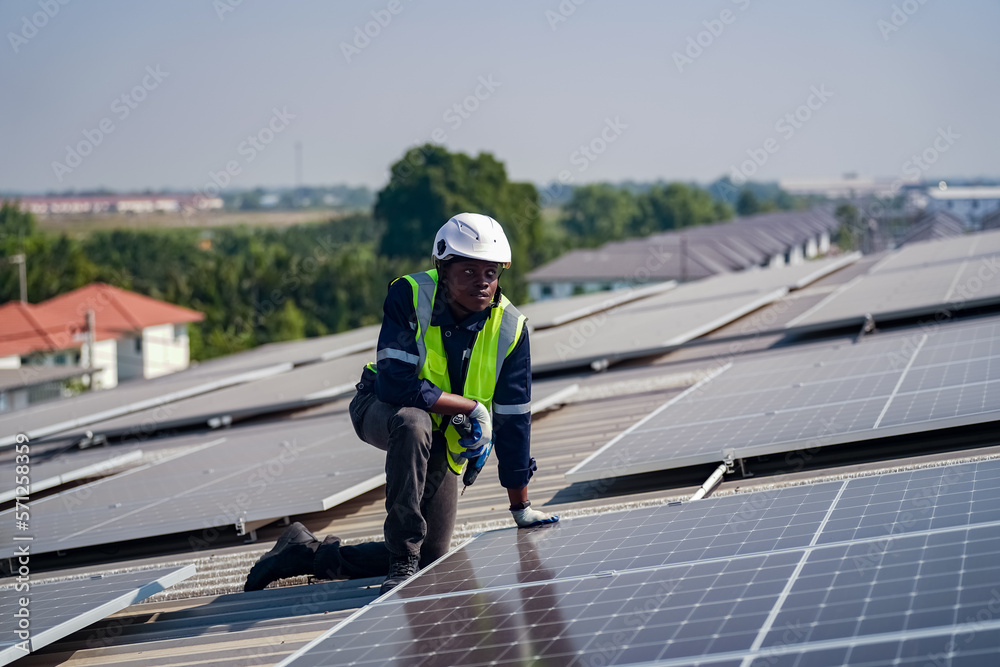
(589, 330)
(885, 569)
(240, 478)
(892, 569)
(777, 403)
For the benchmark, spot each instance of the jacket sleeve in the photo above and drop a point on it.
(512, 417)
(396, 358)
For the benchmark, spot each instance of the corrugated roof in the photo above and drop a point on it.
(934, 225)
(692, 252)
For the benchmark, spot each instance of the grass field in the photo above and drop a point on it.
(84, 224)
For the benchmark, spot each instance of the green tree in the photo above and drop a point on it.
(429, 185)
(848, 235)
(674, 206)
(53, 264)
(15, 223)
(747, 204)
(599, 213)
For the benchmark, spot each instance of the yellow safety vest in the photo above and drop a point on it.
(494, 343)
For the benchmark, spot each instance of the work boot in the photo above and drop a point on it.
(292, 556)
(400, 569)
(327, 563)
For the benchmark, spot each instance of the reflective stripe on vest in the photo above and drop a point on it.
(500, 334)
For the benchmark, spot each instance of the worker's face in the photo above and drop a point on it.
(472, 283)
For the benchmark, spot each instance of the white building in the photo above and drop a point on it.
(970, 204)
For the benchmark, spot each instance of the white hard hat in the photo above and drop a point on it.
(472, 235)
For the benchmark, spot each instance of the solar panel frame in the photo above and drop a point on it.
(96, 598)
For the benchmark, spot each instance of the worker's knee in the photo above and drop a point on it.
(414, 421)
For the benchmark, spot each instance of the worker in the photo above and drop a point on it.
(450, 344)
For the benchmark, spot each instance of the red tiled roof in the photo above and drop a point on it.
(54, 324)
(24, 328)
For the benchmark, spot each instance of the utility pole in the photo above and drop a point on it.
(90, 340)
(22, 261)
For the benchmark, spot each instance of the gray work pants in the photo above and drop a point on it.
(421, 493)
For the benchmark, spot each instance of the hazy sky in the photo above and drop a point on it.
(672, 90)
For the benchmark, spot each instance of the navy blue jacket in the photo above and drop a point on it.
(397, 382)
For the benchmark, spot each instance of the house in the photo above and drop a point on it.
(134, 336)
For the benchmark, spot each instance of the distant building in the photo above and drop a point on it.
(970, 204)
(931, 226)
(45, 344)
(838, 188)
(766, 240)
(91, 204)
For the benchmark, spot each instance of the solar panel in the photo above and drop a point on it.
(60, 608)
(886, 385)
(919, 279)
(656, 324)
(48, 474)
(296, 389)
(240, 478)
(556, 312)
(590, 590)
(57, 416)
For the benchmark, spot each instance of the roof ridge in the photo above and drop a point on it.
(35, 324)
(117, 303)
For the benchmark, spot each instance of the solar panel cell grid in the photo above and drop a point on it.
(842, 393)
(888, 587)
(720, 528)
(910, 584)
(677, 612)
(906, 502)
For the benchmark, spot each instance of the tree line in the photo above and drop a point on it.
(258, 285)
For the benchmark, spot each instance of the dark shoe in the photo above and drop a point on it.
(327, 563)
(400, 569)
(292, 556)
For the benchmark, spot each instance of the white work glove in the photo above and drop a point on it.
(528, 518)
(482, 431)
